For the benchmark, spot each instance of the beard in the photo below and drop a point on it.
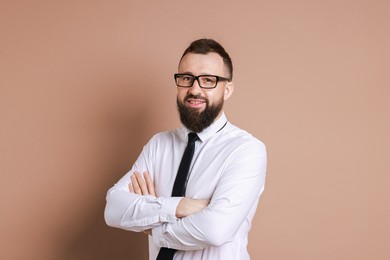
(195, 120)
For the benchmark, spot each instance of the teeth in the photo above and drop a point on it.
(196, 102)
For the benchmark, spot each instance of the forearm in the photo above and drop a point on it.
(188, 206)
(232, 207)
(135, 212)
(214, 226)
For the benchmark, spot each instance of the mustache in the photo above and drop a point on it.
(197, 96)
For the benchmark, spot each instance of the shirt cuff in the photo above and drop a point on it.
(168, 209)
(157, 235)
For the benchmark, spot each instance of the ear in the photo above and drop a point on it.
(229, 88)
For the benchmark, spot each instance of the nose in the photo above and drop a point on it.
(195, 88)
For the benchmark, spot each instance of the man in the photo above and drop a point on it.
(212, 215)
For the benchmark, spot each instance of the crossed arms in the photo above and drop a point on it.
(185, 223)
(142, 184)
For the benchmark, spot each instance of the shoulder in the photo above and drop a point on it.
(244, 152)
(243, 139)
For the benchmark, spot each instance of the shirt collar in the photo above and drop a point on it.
(212, 129)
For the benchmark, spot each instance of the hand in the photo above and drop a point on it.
(188, 206)
(142, 184)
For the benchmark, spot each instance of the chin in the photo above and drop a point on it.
(199, 110)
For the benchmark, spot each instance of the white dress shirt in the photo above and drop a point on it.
(228, 168)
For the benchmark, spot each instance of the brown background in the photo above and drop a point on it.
(85, 84)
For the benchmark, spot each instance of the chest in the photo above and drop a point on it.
(207, 167)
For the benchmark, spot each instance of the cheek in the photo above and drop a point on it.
(181, 94)
(215, 97)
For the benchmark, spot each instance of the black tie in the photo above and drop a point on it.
(179, 187)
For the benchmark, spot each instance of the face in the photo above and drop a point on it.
(200, 107)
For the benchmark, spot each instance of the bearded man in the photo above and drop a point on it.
(195, 190)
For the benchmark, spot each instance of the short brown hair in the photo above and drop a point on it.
(204, 46)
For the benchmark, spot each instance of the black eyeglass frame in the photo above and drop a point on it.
(176, 75)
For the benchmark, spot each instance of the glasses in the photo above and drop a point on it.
(204, 81)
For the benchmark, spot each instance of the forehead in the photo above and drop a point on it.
(210, 63)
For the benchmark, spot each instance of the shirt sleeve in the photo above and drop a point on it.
(135, 212)
(235, 196)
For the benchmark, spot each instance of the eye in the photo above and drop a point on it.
(209, 79)
(187, 78)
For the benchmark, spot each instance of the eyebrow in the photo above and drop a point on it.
(190, 73)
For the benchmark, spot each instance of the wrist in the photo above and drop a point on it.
(181, 208)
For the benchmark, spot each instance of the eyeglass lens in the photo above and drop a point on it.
(203, 81)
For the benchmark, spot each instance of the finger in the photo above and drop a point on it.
(142, 183)
(149, 184)
(131, 187)
(135, 185)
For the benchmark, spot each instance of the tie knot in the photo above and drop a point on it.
(192, 137)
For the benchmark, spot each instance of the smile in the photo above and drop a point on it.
(196, 102)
